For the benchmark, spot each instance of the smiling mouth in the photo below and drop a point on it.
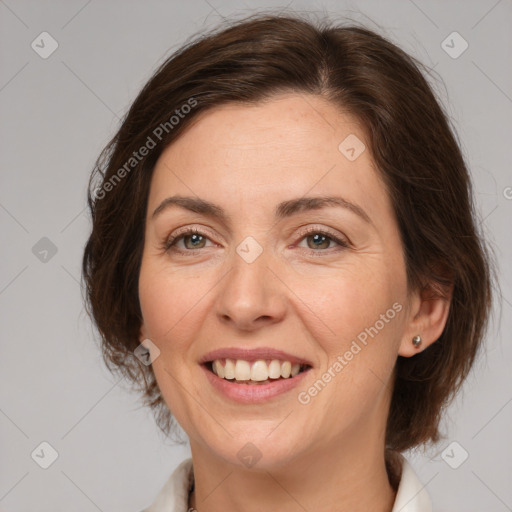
(260, 372)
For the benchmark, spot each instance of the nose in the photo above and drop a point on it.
(251, 296)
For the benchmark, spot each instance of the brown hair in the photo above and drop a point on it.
(411, 143)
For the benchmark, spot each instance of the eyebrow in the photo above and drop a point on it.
(282, 210)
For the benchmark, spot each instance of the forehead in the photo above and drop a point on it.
(289, 146)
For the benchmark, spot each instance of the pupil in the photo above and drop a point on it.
(319, 239)
(195, 238)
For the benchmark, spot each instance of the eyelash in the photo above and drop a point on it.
(324, 232)
(168, 244)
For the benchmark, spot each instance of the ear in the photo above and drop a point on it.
(428, 312)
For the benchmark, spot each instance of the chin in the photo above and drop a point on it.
(255, 449)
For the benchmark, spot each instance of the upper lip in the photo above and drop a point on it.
(252, 355)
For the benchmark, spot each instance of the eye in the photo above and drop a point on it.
(319, 240)
(192, 239)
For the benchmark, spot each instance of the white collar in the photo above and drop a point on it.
(411, 494)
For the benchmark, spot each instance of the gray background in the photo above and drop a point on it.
(57, 113)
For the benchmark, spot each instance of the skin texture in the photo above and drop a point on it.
(306, 299)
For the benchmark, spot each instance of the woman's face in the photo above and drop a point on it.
(266, 269)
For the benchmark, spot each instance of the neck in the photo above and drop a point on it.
(324, 479)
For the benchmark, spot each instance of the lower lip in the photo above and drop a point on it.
(253, 393)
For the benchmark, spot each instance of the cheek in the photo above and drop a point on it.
(170, 306)
(167, 302)
(355, 317)
(344, 302)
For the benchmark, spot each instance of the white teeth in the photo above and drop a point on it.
(258, 371)
(295, 369)
(274, 369)
(229, 369)
(242, 370)
(218, 368)
(286, 369)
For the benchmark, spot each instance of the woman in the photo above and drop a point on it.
(285, 224)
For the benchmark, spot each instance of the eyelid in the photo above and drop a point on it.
(187, 230)
(337, 237)
(191, 227)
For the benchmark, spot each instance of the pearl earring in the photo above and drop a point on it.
(416, 341)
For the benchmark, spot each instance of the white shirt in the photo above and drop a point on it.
(411, 494)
